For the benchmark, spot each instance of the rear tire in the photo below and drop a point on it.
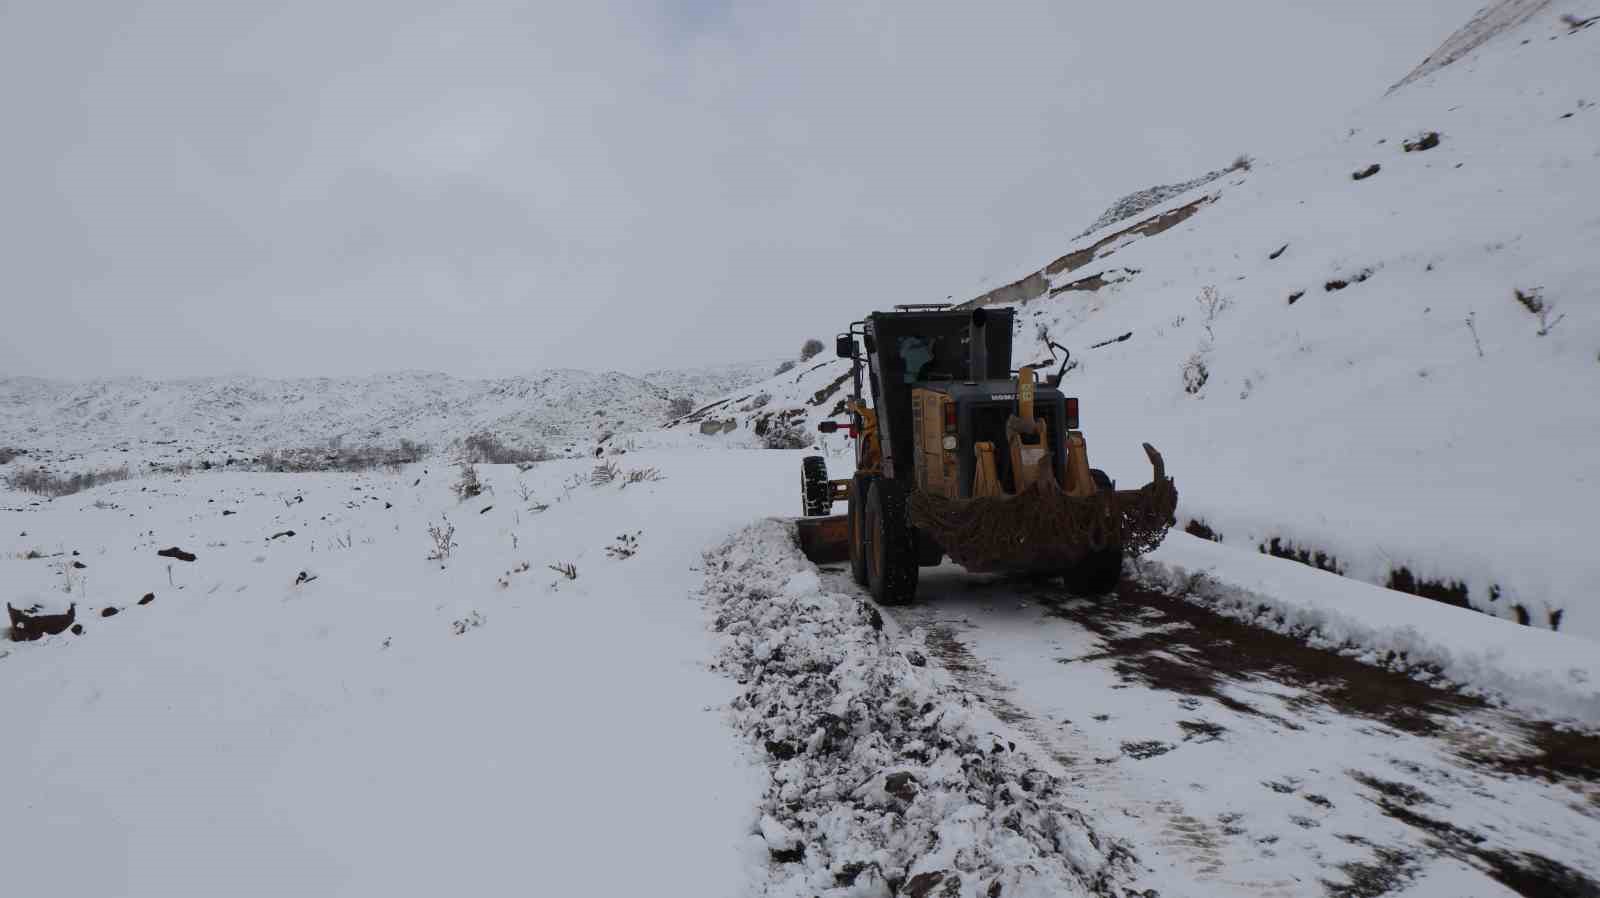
(815, 493)
(856, 511)
(891, 545)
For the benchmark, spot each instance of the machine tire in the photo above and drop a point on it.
(1101, 571)
(815, 494)
(891, 545)
(1097, 574)
(855, 510)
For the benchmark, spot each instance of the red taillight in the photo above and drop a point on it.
(1072, 413)
(950, 417)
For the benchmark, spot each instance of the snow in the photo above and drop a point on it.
(242, 734)
(314, 705)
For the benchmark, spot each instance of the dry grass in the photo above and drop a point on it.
(486, 448)
(355, 458)
(43, 483)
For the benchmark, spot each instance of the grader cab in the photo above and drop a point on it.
(959, 455)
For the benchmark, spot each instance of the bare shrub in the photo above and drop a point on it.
(566, 569)
(604, 473)
(1242, 162)
(1212, 304)
(642, 475)
(626, 546)
(41, 482)
(810, 349)
(1195, 373)
(444, 539)
(786, 436)
(486, 448)
(1533, 300)
(680, 406)
(784, 368)
(467, 484)
(335, 458)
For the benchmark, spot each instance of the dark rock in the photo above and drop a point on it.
(228, 511)
(148, 598)
(1366, 173)
(79, 565)
(485, 509)
(1277, 252)
(916, 658)
(787, 855)
(923, 883)
(175, 552)
(783, 751)
(110, 612)
(77, 629)
(28, 624)
(1426, 142)
(901, 785)
(281, 533)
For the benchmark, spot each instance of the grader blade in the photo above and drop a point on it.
(1045, 529)
(824, 540)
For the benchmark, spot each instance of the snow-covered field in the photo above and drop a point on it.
(1367, 383)
(581, 682)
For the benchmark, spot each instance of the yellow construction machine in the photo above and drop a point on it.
(958, 455)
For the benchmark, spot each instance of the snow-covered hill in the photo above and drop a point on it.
(251, 414)
(1398, 369)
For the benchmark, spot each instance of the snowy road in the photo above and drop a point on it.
(1239, 762)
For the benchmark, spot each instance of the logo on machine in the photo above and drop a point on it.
(1002, 395)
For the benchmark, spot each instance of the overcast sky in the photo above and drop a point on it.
(485, 188)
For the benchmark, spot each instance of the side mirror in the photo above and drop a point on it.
(845, 347)
(828, 427)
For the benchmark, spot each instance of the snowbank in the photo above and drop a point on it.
(882, 783)
(1552, 673)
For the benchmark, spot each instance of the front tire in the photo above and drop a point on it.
(815, 493)
(1101, 571)
(891, 545)
(856, 513)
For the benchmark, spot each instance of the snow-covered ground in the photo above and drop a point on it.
(1373, 388)
(393, 725)
(386, 722)
(637, 685)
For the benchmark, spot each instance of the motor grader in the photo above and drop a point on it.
(959, 455)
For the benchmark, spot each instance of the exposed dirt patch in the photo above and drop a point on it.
(1201, 730)
(1210, 651)
(1524, 872)
(1095, 281)
(1556, 755)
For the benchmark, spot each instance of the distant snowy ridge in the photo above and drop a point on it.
(1490, 21)
(253, 413)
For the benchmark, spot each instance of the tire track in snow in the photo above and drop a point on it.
(1091, 780)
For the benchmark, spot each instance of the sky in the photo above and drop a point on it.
(488, 188)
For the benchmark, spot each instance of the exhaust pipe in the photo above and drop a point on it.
(978, 347)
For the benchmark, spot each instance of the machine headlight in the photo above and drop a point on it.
(950, 443)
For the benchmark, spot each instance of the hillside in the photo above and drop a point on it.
(1367, 383)
(244, 414)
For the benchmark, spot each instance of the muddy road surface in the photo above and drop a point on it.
(1236, 761)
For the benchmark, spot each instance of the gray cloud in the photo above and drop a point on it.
(488, 187)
